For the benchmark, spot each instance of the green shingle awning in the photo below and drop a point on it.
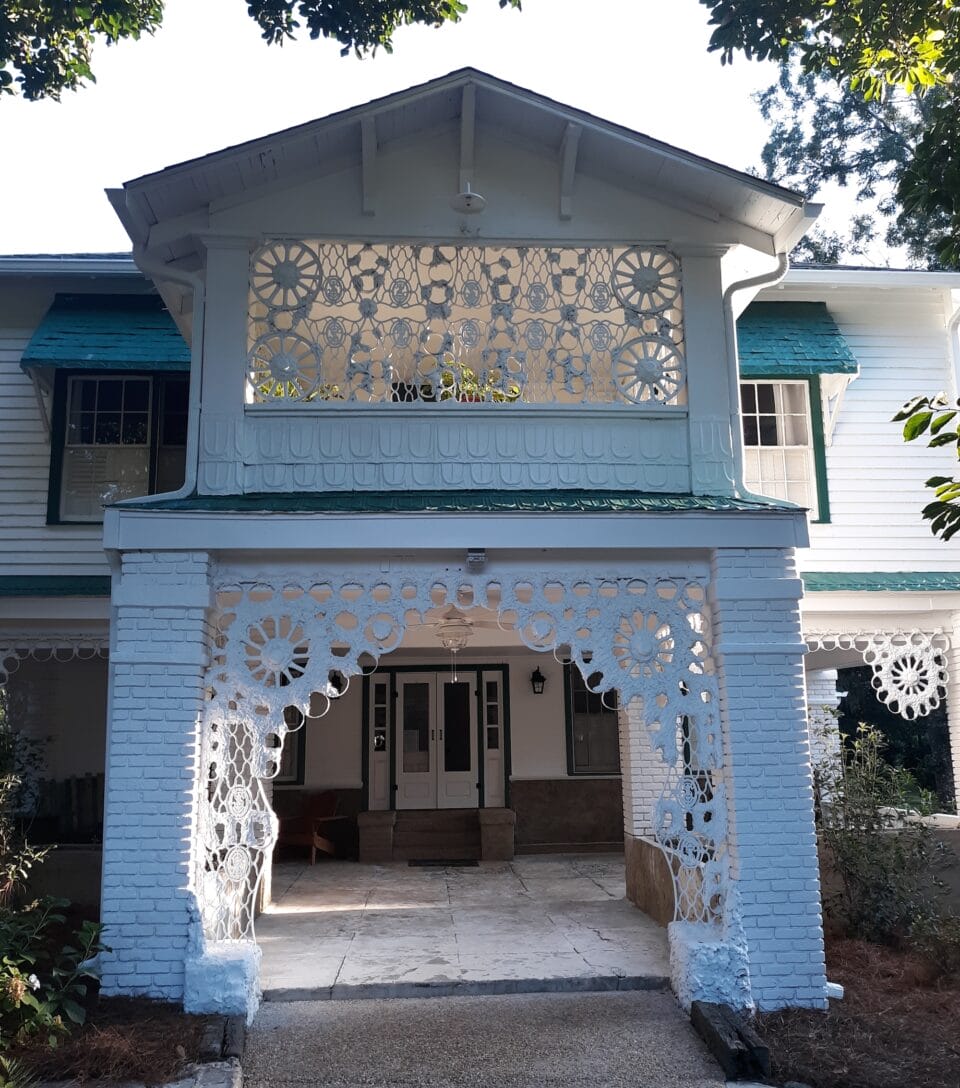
(107, 332)
(882, 581)
(793, 339)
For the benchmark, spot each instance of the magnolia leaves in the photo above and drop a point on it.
(934, 417)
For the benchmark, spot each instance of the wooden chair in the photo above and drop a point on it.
(311, 827)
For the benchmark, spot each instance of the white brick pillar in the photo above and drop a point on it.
(953, 704)
(159, 650)
(644, 773)
(774, 897)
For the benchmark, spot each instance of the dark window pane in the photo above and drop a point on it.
(456, 727)
(86, 394)
(748, 395)
(173, 430)
(135, 429)
(175, 396)
(108, 429)
(80, 430)
(171, 463)
(415, 717)
(136, 396)
(493, 714)
(765, 398)
(768, 431)
(492, 691)
(750, 431)
(109, 396)
(493, 738)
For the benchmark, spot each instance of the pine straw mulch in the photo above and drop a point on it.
(124, 1038)
(897, 1026)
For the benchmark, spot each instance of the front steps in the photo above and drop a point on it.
(485, 834)
(437, 835)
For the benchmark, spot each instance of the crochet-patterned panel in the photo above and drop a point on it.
(334, 322)
(284, 644)
(909, 667)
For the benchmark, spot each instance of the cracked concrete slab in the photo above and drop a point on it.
(549, 922)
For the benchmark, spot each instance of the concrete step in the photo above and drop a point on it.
(436, 834)
(467, 988)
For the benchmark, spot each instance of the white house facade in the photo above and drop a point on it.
(408, 460)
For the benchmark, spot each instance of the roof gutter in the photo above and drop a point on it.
(767, 279)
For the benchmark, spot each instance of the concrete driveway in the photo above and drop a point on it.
(562, 1040)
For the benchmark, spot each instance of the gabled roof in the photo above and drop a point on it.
(792, 339)
(603, 149)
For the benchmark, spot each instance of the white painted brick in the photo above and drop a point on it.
(768, 773)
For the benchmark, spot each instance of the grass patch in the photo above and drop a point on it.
(890, 1031)
(124, 1038)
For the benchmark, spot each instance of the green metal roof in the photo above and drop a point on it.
(109, 332)
(793, 339)
(872, 581)
(417, 502)
(55, 586)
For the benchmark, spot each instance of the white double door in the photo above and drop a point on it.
(436, 741)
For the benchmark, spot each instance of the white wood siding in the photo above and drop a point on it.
(875, 480)
(28, 546)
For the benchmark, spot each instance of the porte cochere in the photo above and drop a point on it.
(434, 448)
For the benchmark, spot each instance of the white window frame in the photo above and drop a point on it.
(755, 480)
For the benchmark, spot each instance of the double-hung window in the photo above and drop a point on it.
(593, 727)
(783, 442)
(116, 436)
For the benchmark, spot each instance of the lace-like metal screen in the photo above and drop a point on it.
(338, 322)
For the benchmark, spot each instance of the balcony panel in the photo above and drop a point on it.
(338, 324)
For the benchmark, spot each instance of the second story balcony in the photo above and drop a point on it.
(464, 286)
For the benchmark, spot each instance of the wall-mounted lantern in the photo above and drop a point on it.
(537, 681)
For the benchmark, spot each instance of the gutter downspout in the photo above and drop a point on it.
(158, 271)
(767, 279)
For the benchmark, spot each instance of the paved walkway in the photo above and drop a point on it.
(540, 923)
(610, 1040)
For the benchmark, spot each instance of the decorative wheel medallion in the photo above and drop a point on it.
(284, 365)
(646, 280)
(648, 368)
(237, 863)
(643, 644)
(284, 275)
(238, 802)
(277, 651)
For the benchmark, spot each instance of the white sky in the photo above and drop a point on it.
(207, 80)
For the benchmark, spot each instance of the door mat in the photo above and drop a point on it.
(442, 863)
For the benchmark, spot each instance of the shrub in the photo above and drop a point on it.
(43, 978)
(884, 855)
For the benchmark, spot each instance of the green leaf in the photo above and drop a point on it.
(941, 421)
(916, 425)
(76, 1012)
(948, 439)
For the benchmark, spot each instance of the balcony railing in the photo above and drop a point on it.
(333, 322)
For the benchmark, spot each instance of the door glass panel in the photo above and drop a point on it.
(416, 728)
(456, 727)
